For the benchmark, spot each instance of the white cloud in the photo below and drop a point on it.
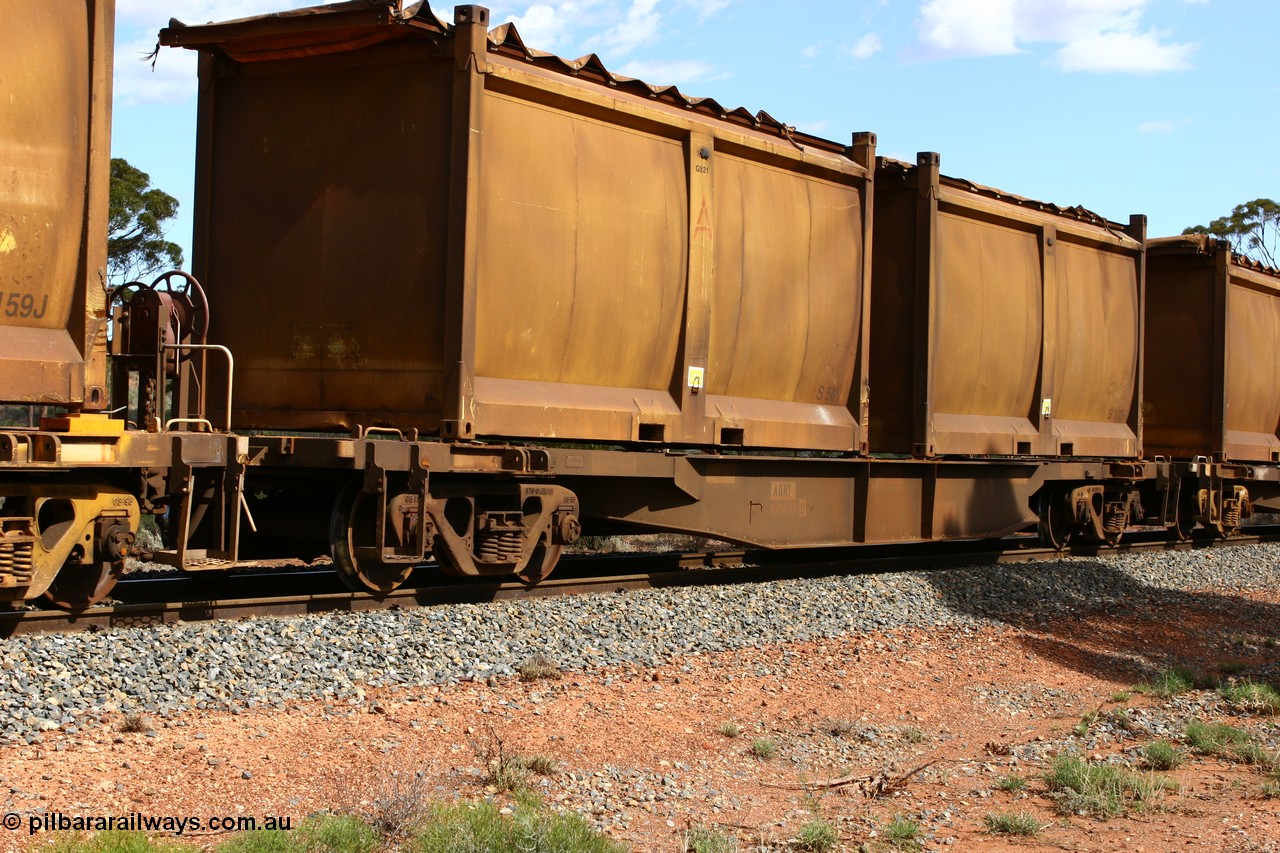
(1138, 53)
(551, 25)
(968, 27)
(678, 71)
(156, 13)
(865, 47)
(638, 28)
(1094, 35)
(541, 27)
(171, 80)
(812, 51)
(706, 8)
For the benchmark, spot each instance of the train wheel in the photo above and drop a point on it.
(1056, 525)
(352, 529)
(541, 563)
(80, 585)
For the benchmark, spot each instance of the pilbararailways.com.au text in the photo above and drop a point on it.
(134, 821)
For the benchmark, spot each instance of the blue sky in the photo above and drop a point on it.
(1165, 107)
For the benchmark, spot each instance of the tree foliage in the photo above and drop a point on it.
(136, 245)
(1252, 229)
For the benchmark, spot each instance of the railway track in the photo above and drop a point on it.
(143, 600)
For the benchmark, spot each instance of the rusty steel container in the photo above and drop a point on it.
(55, 134)
(1212, 375)
(999, 325)
(424, 226)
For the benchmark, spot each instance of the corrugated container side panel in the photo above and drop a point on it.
(523, 245)
(999, 326)
(1095, 370)
(55, 93)
(642, 276)
(786, 310)
(1178, 367)
(1253, 365)
(987, 339)
(327, 226)
(582, 259)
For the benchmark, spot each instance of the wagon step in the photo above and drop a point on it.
(196, 560)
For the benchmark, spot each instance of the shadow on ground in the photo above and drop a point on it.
(1094, 617)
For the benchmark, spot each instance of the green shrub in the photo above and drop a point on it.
(538, 667)
(1161, 755)
(763, 748)
(1214, 738)
(817, 836)
(903, 833)
(112, 841)
(1251, 697)
(730, 730)
(324, 833)
(1170, 682)
(1013, 823)
(699, 839)
(1086, 722)
(508, 774)
(336, 833)
(1099, 790)
(260, 841)
(1012, 784)
(912, 734)
(531, 828)
(1271, 787)
(543, 765)
(1252, 753)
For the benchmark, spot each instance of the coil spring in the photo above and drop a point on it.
(502, 546)
(1114, 521)
(17, 560)
(1231, 515)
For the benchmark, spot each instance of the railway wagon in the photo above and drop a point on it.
(574, 268)
(434, 228)
(1023, 322)
(69, 485)
(1212, 389)
(55, 121)
(515, 332)
(55, 125)
(1215, 318)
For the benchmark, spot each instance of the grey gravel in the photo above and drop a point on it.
(49, 682)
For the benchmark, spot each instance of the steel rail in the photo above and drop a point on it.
(581, 575)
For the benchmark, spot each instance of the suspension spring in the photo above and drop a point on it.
(1115, 518)
(17, 560)
(500, 546)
